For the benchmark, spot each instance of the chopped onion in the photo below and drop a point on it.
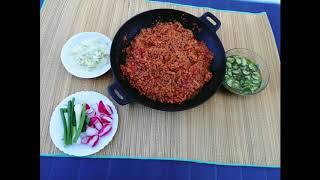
(90, 53)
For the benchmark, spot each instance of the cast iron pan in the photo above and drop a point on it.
(203, 30)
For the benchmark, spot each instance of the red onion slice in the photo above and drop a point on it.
(93, 120)
(93, 141)
(109, 109)
(91, 114)
(105, 118)
(102, 108)
(85, 139)
(105, 130)
(90, 131)
(98, 125)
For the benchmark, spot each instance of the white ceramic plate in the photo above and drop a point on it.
(72, 67)
(56, 125)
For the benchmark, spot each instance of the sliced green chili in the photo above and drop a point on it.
(242, 74)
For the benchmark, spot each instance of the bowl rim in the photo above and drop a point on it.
(267, 77)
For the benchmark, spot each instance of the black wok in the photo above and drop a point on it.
(203, 30)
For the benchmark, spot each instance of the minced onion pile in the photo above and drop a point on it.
(90, 53)
(242, 75)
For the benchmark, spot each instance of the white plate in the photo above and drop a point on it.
(56, 125)
(72, 67)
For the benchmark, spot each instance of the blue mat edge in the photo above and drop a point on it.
(162, 159)
(42, 4)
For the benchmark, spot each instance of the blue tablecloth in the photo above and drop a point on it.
(61, 168)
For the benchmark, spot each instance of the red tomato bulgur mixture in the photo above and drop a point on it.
(167, 64)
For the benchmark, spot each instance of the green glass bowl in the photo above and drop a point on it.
(258, 60)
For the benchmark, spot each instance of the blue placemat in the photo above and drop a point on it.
(52, 168)
(61, 168)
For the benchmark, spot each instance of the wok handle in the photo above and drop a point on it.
(212, 27)
(125, 99)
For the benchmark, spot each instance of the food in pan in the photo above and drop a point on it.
(167, 63)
